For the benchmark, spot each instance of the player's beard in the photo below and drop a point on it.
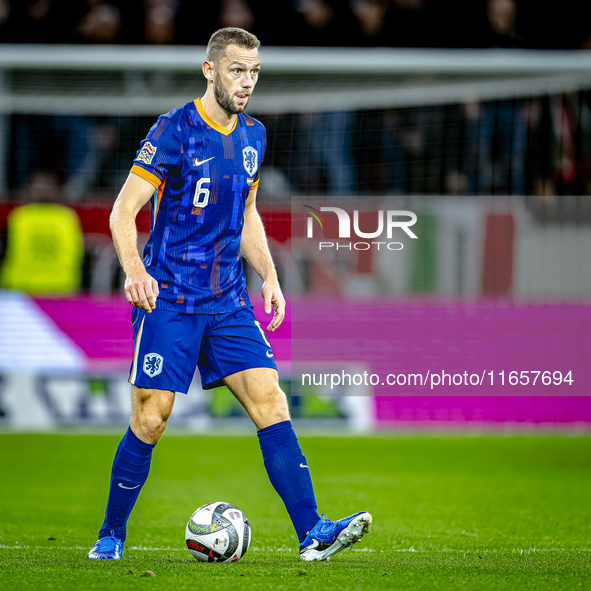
(224, 100)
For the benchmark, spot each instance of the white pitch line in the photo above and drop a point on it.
(143, 548)
(284, 549)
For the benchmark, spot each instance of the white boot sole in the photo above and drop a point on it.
(350, 535)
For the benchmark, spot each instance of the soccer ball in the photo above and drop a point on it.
(218, 532)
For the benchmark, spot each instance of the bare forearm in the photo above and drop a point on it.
(124, 232)
(255, 248)
(141, 289)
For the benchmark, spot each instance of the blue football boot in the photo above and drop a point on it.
(107, 548)
(328, 537)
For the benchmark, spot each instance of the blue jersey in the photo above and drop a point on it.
(202, 174)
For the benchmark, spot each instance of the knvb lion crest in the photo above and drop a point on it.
(153, 364)
(250, 157)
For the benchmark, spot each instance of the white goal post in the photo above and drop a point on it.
(132, 80)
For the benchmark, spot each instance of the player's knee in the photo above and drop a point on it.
(280, 404)
(151, 410)
(150, 421)
(274, 408)
(152, 426)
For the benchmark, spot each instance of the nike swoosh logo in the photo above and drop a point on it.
(128, 487)
(303, 466)
(269, 354)
(197, 163)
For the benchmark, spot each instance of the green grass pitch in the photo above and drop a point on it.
(449, 513)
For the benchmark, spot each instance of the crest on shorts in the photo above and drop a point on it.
(250, 157)
(153, 364)
(147, 153)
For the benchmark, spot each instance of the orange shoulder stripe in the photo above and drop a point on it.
(147, 176)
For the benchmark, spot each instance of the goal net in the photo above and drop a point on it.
(489, 149)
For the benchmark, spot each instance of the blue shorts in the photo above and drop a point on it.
(169, 345)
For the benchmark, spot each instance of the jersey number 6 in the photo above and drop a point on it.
(201, 198)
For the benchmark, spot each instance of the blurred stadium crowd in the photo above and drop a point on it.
(453, 163)
(373, 23)
(536, 146)
(539, 146)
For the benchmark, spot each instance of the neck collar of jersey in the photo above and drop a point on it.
(211, 122)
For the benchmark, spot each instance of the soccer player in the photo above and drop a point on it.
(200, 167)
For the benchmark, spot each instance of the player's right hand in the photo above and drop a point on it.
(141, 291)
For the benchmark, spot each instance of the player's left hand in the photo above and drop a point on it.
(274, 300)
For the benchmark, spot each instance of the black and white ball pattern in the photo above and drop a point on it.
(218, 532)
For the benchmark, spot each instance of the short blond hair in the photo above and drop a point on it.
(221, 39)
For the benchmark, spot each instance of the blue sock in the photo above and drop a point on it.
(289, 474)
(130, 470)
